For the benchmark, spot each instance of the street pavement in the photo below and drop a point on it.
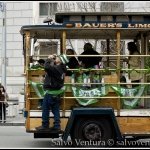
(16, 137)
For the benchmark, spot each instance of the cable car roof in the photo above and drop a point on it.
(60, 17)
(90, 25)
(44, 32)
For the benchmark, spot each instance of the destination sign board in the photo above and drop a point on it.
(108, 25)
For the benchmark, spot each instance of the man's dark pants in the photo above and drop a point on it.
(52, 103)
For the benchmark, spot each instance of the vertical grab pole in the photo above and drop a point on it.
(145, 75)
(118, 69)
(63, 51)
(27, 90)
(143, 52)
(63, 43)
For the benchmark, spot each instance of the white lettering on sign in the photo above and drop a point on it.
(139, 26)
(110, 25)
(98, 25)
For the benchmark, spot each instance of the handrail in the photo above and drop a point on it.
(83, 69)
(94, 55)
(101, 83)
(72, 97)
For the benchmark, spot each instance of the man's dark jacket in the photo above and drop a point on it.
(54, 78)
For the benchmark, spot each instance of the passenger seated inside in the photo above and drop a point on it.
(38, 64)
(89, 62)
(41, 62)
(73, 62)
(134, 62)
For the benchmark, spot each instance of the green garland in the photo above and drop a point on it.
(107, 70)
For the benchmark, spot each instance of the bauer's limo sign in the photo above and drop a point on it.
(107, 25)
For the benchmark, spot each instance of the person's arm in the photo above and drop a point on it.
(134, 61)
(50, 67)
(80, 58)
(49, 63)
(126, 60)
(5, 96)
(73, 63)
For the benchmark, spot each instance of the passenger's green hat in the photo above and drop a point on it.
(63, 59)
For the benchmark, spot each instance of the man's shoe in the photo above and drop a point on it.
(55, 129)
(41, 128)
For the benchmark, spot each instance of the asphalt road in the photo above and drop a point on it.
(15, 137)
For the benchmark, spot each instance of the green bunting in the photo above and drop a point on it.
(134, 93)
(82, 92)
(87, 90)
(38, 88)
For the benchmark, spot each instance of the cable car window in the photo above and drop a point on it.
(106, 18)
(75, 18)
(90, 18)
(137, 19)
(122, 18)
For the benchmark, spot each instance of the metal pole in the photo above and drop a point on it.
(3, 10)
